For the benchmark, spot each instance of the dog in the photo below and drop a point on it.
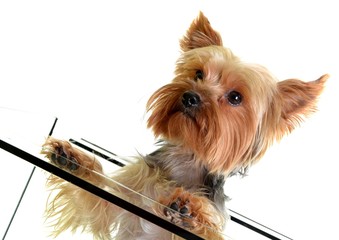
(215, 119)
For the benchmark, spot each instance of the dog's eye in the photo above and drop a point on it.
(234, 98)
(199, 75)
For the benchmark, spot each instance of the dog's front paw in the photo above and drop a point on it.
(193, 212)
(61, 154)
(182, 208)
(65, 156)
(180, 212)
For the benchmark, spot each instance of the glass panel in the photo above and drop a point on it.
(26, 132)
(19, 126)
(19, 143)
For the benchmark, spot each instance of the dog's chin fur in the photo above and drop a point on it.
(216, 118)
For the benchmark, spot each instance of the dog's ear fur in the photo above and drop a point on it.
(200, 34)
(298, 100)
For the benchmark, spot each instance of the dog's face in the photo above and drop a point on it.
(226, 112)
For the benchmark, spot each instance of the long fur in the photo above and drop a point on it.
(217, 117)
(74, 208)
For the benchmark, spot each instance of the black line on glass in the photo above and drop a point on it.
(112, 160)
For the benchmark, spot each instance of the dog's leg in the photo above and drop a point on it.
(72, 207)
(193, 212)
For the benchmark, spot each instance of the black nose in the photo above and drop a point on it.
(190, 99)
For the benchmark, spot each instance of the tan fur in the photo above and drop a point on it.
(74, 207)
(217, 117)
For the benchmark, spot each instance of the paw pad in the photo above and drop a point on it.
(179, 212)
(60, 158)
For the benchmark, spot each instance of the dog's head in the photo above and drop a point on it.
(225, 111)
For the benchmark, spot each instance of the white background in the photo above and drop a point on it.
(93, 64)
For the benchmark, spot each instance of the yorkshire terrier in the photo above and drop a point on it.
(215, 119)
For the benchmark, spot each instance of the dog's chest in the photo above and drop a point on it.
(187, 175)
(178, 166)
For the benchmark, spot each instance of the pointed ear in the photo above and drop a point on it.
(298, 100)
(200, 34)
